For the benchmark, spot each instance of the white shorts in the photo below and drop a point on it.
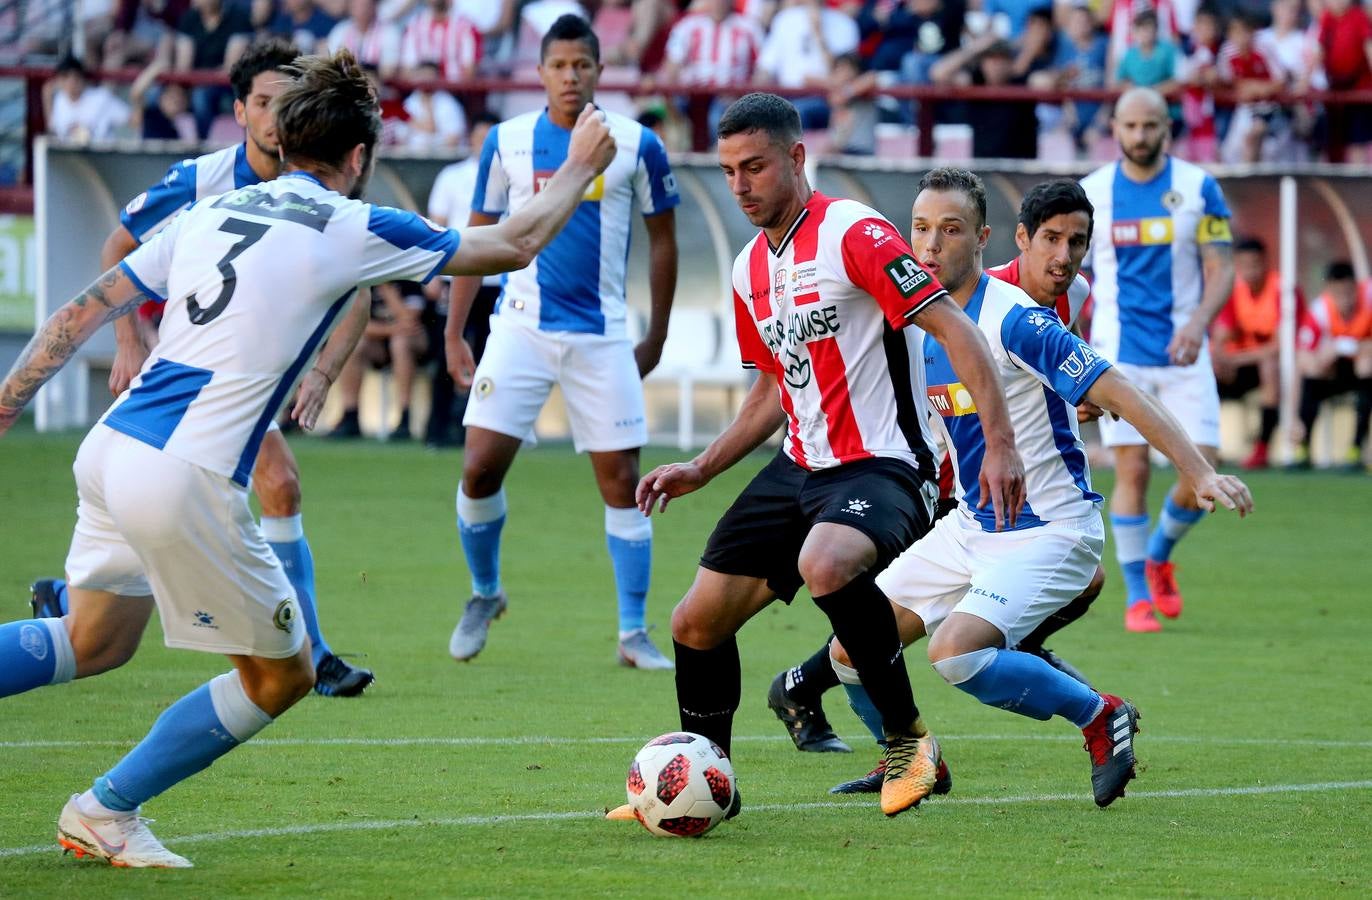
(1188, 393)
(1012, 579)
(150, 523)
(599, 380)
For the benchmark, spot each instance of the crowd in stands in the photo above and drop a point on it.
(1242, 51)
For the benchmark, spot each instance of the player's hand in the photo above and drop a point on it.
(309, 400)
(591, 143)
(1226, 490)
(1185, 346)
(461, 363)
(665, 482)
(128, 362)
(648, 353)
(8, 416)
(1088, 412)
(1002, 484)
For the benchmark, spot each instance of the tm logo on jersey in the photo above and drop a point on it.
(1078, 363)
(906, 275)
(1149, 232)
(594, 193)
(950, 400)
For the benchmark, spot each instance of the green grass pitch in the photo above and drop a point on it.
(488, 779)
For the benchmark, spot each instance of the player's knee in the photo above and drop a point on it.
(839, 657)
(277, 485)
(480, 479)
(826, 571)
(1095, 587)
(963, 667)
(100, 650)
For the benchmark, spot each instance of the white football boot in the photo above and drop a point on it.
(125, 841)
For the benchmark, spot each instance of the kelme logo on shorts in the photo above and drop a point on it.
(284, 617)
(906, 275)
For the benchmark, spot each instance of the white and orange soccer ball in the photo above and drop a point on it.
(680, 785)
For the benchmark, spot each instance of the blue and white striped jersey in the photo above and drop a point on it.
(186, 182)
(1145, 256)
(577, 282)
(253, 282)
(1046, 371)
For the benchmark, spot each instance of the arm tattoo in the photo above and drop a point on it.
(61, 335)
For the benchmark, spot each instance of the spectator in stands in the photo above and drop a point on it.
(395, 338)
(1336, 357)
(372, 41)
(444, 40)
(1036, 45)
(434, 120)
(1254, 77)
(852, 111)
(78, 111)
(889, 29)
(1148, 62)
(450, 203)
(144, 31)
(1199, 74)
(650, 25)
(160, 113)
(937, 26)
(211, 36)
(1243, 340)
(1001, 129)
(1119, 24)
(1345, 35)
(1080, 63)
(710, 46)
(1016, 14)
(302, 23)
(799, 52)
(1297, 51)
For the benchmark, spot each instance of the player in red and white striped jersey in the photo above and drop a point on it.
(831, 310)
(712, 45)
(444, 38)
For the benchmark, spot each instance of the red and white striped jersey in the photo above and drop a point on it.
(450, 42)
(378, 45)
(710, 52)
(828, 313)
(1068, 305)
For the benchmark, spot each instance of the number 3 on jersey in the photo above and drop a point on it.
(251, 233)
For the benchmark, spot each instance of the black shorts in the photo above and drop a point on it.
(761, 534)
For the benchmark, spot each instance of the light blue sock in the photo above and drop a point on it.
(629, 537)
(1173, 524)
(34, 652)
(286, 535)
(479, 523)
(1022, 683)
(191, 734)
(1131, 547)
(860, 700)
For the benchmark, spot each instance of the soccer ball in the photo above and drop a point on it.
(680, 785)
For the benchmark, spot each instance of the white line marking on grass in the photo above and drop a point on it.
(470, 821)
(548, 740)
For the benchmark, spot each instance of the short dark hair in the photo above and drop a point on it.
(70, 62)
(1146, 17)
(262, 56)
(571, 27)
(485, 117)
(1058, 197)
(950, 178)
(1250, 245)
(1340, 270)
(761, 112)
(327, 110)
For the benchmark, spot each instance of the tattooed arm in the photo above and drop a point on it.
(109, 297)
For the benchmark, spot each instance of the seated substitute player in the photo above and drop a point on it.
(253, 281)
(976, 590)
(1336, 357)
(832, 310)
(1052, 234)
(563, 321)
(256, 79)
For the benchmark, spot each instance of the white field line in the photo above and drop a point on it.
(590, 815)
(546, 740)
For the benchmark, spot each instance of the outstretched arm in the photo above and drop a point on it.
(109, 297)
(1113, 391)
(758, 419)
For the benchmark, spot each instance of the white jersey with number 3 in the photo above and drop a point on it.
(254, 281)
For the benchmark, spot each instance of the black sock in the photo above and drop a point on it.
(1270, 417)
(864, 623)
(709, 685)
(809, 680)
(1056, 622)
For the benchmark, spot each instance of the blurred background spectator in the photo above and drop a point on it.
(210, 36)
(442, 41)
(301, 22)
(79, 111)
(710, 46)
(799, 52)
(1336, 357)
(434, 120)
(373, 41)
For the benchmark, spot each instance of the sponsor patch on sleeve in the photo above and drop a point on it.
(906, 275)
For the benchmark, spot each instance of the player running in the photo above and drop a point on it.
(256, 79)
(1162, 269)
(831, 310)
(253, 282)
(563, 321)
(979, 591)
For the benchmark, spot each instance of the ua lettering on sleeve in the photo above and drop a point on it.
(828, 312)
(1145, 256)
(577, 283)
(1046, 371)
(254, 281)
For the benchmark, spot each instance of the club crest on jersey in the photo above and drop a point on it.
(797, 371)
(906, 275)
(779, 284)
(950, 400)
(1172, 200)
(284, 617)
